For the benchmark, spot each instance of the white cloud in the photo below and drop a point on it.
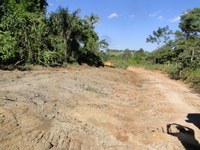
(176, 19)
(160, 18)
(113, 15)
(50, 4)
(154, 14)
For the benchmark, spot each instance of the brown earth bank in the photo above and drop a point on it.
(84, 108)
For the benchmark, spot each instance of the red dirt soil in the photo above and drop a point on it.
(94, 108)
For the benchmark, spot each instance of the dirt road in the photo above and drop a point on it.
(95, 109)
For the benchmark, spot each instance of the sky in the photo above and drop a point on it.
(127, 23)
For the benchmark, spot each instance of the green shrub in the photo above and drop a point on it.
(190, 75)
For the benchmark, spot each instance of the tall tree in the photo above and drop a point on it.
(25, 22)
(28, 36)
(190, 26)
(64, 23)
(92, 19)
(160, 36)
(103, 45)
(190, 22)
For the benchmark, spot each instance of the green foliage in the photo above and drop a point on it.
(7, 46)
(27, 36)
(119, 62)
(103, 45)
(50, 57)
(190, 22)
(160, 36)
(92, 19)
(139, 56)
(191, 75)
(180, 58)
(126, 54)
(90, 88)
(125, 58)
(176, 72)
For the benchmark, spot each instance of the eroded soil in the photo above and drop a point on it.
(94, 109)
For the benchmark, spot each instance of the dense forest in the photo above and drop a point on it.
(30, 36)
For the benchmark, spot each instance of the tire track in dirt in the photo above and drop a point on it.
(181, 98)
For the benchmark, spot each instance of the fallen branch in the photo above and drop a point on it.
(45, 65)
(18, 62)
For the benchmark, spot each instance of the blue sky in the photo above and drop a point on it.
(127, 23)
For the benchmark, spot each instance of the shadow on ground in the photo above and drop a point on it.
(194, 118)
(185, 135)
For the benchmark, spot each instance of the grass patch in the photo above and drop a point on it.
(90, 88)
(189, 75)
(192, 76)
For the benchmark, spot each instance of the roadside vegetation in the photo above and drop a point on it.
(178, 53)
(30, 36)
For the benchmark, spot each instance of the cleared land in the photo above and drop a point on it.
(95, 108)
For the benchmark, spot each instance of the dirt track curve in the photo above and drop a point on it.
(84, 108)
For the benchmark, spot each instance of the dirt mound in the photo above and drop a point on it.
(92, 108)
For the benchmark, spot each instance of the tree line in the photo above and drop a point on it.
(178, 52)
(29, 35)
(182, 47)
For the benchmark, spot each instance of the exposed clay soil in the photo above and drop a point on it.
(94, 109)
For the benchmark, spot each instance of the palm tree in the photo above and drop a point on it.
(64, 23)
(92, 19)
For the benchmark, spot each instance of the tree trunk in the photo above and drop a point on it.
(192, 58)
(28, 47)
(66, 39)
(65, 51)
